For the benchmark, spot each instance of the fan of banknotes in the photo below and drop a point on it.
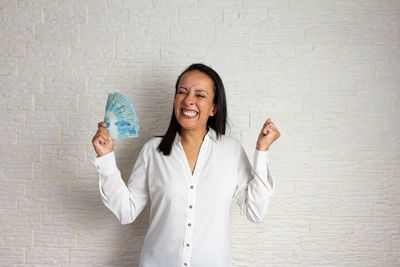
(120, 117)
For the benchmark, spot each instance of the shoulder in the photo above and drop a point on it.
(229, 143)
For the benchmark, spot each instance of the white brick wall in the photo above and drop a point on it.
(326, 71)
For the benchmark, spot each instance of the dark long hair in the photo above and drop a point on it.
(217, 122)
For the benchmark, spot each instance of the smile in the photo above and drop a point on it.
(189, 114)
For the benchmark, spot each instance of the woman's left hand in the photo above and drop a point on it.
(269, 133)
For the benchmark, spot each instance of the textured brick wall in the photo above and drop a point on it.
(326, 71)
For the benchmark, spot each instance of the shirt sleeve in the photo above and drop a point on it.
(255, 185)
(125, 201)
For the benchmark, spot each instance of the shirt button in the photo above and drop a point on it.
(191, 187)
(185, 264)
(189, 224)
(187, 244)
(190, 206)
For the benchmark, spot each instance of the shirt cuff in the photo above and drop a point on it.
(106, 164)
(261, 166)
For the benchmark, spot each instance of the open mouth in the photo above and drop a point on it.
(189, 114)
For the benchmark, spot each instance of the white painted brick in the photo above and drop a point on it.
(84, 199)
(327, 34)
(388, 4)
(369, 88)
(88, 68)
(174, 52)
(13, 32)
(48, 189)
(290, 16)
(262, 52)
(275, 33)
(15, 238)
(90, 256)
(390, 68)
(235, 55)
(47, 50)
(100, 238)
(82, 128)
(21, 17)
(109, 16)
(46, 255)
(330, 225)
(311, 4)
(12, 49)
(355, 4)
(18, 163)
(271, 68)
(302, 207)
(63, 222)
(55, 239)
(378, 226)
(129, 3)
(8, 3)
(353, 69)
(387, 207)
(316, 190)
(92, 51)
(333, 88)
(317, 103)
(370, 104)
(244, 86)
(85, 3)
(8, 66)
(264, 3)
(153, 94)
(11, 191)
(276, 241)
(168, 68)
(107, 223)
(219, 3)
(305, 68)
(369, 259)
(336, 17)
(11, 122)
(10, 256)
(143, 52)
(147, 32)
(175, 3)
(287, 226)
(184, 32)
(368, 242)
(391, 258)
(39, 3)
(325, 242)
(239, 119)
(93, 32)
(363, 53)
(284, 87)
(126, 257)
(205, 15)
(247, 16)
(233, 32)
(352, 206)
(161, 16)
(20, 222)
(128, 68)
(39, 205)
(258, 258)
(315, 258)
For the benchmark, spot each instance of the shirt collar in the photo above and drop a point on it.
(210, 134)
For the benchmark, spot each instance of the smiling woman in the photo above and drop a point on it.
(190, 175)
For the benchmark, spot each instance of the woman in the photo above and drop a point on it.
(190, 175)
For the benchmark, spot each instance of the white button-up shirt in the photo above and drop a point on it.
(189, 213)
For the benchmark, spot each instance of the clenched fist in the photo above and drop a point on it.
(102, 141)
(269, 133)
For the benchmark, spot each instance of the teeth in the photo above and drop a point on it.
(190, 114)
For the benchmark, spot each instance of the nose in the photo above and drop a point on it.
(188, 100)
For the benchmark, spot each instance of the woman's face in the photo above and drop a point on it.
(194, 101)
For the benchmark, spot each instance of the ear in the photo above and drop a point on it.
(215, 109)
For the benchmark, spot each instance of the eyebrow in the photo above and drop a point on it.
(196, 90)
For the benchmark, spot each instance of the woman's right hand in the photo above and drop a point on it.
(102, 141)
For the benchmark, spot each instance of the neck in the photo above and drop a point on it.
(193, 137)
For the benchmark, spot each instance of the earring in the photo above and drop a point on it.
(212, 114)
